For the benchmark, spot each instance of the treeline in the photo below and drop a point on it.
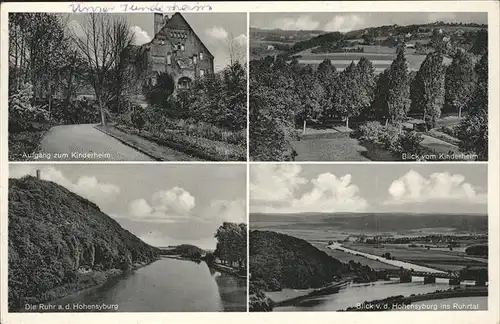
(479, 249)
(285, 95)
(184, 250)
(59, 60)
(231, 248)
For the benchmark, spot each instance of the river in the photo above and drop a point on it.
(354, 294)
(167, 285)
(397, 263)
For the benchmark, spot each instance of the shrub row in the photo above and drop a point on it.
(196, 146)
(391, 137)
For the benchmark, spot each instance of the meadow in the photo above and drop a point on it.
(433, 258)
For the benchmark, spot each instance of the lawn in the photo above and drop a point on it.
(329, 149)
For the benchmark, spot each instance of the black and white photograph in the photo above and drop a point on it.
(368, 237)
(92, 238)
(127, 87)
(368, 86)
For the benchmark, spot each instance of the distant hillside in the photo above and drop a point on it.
(417, 31)
(282, 35)
(386, 221)
(57, 237)
(184, 250)
(283, 261)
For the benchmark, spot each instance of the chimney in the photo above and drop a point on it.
(158, 22)
(38, 174)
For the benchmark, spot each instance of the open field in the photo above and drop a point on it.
(431, 258)
(380, 56)
(346, 257)
(258, 48)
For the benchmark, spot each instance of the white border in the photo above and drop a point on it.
(490, 316)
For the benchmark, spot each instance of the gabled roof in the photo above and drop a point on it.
(189, 26)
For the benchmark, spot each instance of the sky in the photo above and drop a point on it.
(167, 204)
(214, 29)
(412, 188)
(346, 21)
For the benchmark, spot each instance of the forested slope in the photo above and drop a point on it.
(57, 239)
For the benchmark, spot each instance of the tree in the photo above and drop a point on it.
(234, 99)
(473, 130)
(37, 47)
(310, 93)
(326, 72)
(397, 94)
(460, 81)
(352, 92)
(158, 94)
(231, 243)
(480, 46)
(428, 89)
(368, 38)
(101, 42)
(437, 40)
(273, 103)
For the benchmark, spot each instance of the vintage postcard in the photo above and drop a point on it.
(250, 162)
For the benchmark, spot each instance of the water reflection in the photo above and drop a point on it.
(167, 285)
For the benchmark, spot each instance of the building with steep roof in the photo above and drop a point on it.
(175, 49)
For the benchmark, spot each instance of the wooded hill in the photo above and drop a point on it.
(56, 236)
(184, 250)
(282, 261)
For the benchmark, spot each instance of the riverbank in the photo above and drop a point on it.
(227, 270)
(399, 302)
(86, 282)
(396, 263)
(287, 296)
(179, 257)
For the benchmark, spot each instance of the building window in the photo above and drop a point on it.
(201, 56)
(182, 48)
(194, 59)
(153, 81)
(184, 83)
(202, 72)
(169, 59)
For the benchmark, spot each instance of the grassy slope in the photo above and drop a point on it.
(54, 232)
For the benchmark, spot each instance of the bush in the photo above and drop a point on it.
(77, 111)
(371, 131)
(21, 113)
(137, 119)
(450, 130)
(409, 143)
(274, 285)
(389, 137)
(159, 94)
